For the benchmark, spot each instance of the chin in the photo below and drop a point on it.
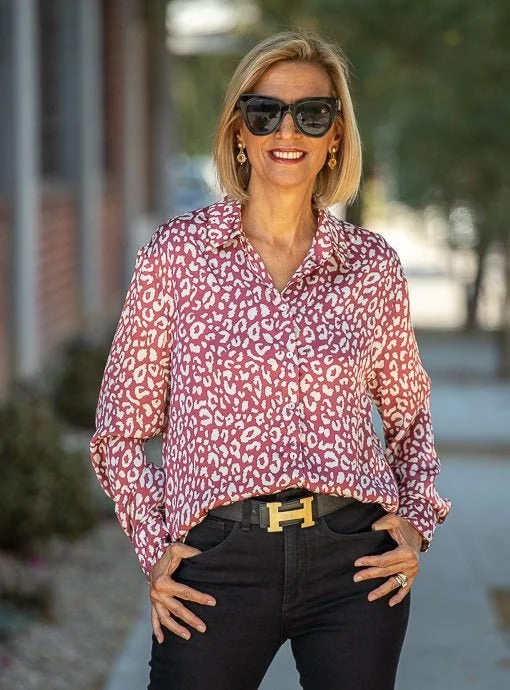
(288, 181)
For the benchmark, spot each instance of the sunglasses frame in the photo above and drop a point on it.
(332, 102)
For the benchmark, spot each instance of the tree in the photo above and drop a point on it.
(433, 76)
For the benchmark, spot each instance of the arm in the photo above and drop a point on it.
(400, 388)
(132, 408)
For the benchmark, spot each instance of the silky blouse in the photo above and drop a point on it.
(254, 390)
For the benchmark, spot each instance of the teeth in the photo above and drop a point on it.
(288, 154)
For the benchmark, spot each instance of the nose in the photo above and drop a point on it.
(287, 126)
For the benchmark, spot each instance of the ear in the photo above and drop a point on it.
(338, 130)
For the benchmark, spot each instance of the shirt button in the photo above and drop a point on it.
(293, 456)
(291, 406)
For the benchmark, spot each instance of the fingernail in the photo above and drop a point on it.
(211, 602)
(201, 628)
(185, 635)
(357, 578)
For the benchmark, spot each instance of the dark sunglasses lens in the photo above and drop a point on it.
(262, 115)
(314, 117)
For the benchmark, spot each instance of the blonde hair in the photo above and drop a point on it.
(338, 185)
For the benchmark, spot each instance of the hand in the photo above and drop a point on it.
(164, 590)
(403, 559)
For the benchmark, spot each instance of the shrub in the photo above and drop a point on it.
(45, 488)
(76, 389)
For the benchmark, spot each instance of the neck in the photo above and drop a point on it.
(277, 217)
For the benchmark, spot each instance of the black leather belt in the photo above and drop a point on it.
(274, 514)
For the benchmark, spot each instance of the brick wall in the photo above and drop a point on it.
(58, 298)
(57, 284)
(112, 250)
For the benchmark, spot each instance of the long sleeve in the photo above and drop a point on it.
(132, 408)
(400, 388)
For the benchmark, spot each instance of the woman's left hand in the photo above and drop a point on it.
(402, 559)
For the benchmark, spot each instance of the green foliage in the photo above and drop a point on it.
(431, 74)
(45, 489)
(200, 83)
(434, 74)
(428, 80)
(76, 388)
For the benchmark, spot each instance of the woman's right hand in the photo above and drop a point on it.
(166, 592)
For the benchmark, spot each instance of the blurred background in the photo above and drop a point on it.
(107, 115)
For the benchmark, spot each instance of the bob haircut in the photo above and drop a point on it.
(338, 185)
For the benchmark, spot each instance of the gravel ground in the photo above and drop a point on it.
(99, 590)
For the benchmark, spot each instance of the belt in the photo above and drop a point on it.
(273, 515)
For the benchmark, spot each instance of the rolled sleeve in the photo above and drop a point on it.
(400, 388)
(132, 408)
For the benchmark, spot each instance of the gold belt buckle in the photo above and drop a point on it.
(277, 517)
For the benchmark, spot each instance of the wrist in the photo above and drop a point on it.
(419, 541)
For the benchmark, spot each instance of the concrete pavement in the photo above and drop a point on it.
(453, 641)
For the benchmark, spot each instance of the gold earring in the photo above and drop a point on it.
(332, 158)
(241, 156)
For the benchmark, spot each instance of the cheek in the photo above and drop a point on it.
(253, 147)
(320, 157)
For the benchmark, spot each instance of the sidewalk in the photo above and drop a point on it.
(453, 641)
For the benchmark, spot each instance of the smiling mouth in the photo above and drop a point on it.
(287, 155)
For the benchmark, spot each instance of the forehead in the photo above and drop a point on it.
(290, 80)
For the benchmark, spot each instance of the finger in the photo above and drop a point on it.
(396, 555)
(176, 608)
(388, 586)
(401, 594)
(171, 604)
(171, 624)
(190, 594)
(180, 550)
(164, 586)
(371, 573)
(156, 625)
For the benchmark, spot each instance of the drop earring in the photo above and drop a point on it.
(332, 158)
(241, 156)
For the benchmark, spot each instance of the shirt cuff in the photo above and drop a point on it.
(422, 516)
(150, 541)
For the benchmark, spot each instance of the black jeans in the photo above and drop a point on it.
(273, 586)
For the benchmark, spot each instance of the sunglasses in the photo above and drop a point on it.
(312, 116)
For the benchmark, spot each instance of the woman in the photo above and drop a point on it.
(255, 334)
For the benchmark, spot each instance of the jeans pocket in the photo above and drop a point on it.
(353, 522)
(210, 536)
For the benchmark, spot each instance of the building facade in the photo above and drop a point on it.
(84, 140)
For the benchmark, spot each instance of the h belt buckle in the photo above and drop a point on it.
(277, 517)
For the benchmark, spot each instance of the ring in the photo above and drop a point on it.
(401, 578)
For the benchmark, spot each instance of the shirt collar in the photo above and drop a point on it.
(331, 237)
